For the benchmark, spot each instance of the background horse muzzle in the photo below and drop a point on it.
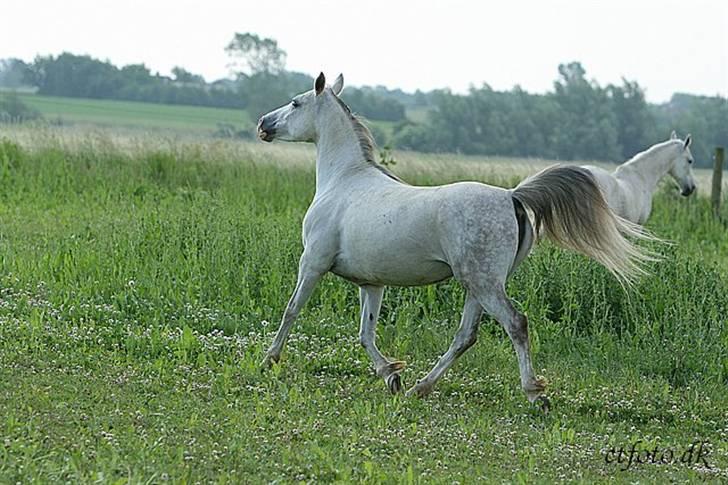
(687, 190)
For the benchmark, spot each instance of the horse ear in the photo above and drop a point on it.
(688, 140)
(318, 86)
(673, 135)
(338, 84)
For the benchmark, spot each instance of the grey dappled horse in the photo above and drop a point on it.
(371, 228)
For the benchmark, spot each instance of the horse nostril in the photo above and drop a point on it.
(266, 130)
(263, 125)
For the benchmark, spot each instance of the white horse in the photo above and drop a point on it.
(371, 228)
(629, 188)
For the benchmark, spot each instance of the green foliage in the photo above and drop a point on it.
(386, 158)
(579, 120)
(85, 77)
(372, 105)
(139, 289)
(586, 126)
(706, 117)
(263, 91)
(14, 73)
(256, 55)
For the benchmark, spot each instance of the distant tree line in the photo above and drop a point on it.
(578, 120)
(85, 77)
(264, 84)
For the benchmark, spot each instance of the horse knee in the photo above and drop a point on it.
(464, 342)
(471, 339)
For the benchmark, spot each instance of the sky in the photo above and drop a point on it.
(666, 46)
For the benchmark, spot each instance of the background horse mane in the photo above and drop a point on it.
(651, 151)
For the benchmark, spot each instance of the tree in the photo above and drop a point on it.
(635, 123)
(588, 126)
(264, 91)
(253, 55)
(13, 110)
(372, 105)
(14, 73)
(184, 76)
(72, 75)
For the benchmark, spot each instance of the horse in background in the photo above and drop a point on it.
(629, 189)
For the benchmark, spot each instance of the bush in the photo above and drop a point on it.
(13, 110)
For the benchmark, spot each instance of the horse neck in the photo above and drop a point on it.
(338, 152)
(647, 168)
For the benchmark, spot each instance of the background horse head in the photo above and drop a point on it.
(681, 167)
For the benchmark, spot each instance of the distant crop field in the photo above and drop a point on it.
(142, 279)
(142, 116)
(131, 114)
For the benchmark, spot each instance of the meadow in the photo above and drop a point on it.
(135, 115)
(142, 279)
(162, 120)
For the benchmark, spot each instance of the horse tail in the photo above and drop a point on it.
(568, 205)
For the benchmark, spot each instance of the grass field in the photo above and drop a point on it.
(135, 115)
(139, 117)
(141, 281)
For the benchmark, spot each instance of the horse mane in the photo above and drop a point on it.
(366, 141)
(649, 152)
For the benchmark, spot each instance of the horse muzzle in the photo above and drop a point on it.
(266, 130)
(687, 191)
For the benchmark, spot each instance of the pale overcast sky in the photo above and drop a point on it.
(666, 46)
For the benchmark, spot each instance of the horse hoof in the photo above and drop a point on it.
(419, 390)
(394, 383)
(543, 402)
(268, 362)
(391, 367)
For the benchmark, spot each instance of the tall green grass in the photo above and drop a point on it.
(139, 289)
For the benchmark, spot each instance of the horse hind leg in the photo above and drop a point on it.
(465, 337)
(497, 304)
(371, 302)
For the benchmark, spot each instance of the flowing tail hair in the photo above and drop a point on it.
(567, 204)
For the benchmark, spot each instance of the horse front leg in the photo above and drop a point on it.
(371, 301)
(308, 277)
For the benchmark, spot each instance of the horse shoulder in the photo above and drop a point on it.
(320, 228)
(617, 192)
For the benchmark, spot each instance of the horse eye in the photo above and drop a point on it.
(690, 161)
(295, 103)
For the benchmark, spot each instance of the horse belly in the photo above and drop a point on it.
(386, 271)
(404, 256)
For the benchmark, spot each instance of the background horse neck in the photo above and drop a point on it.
(648, 167)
